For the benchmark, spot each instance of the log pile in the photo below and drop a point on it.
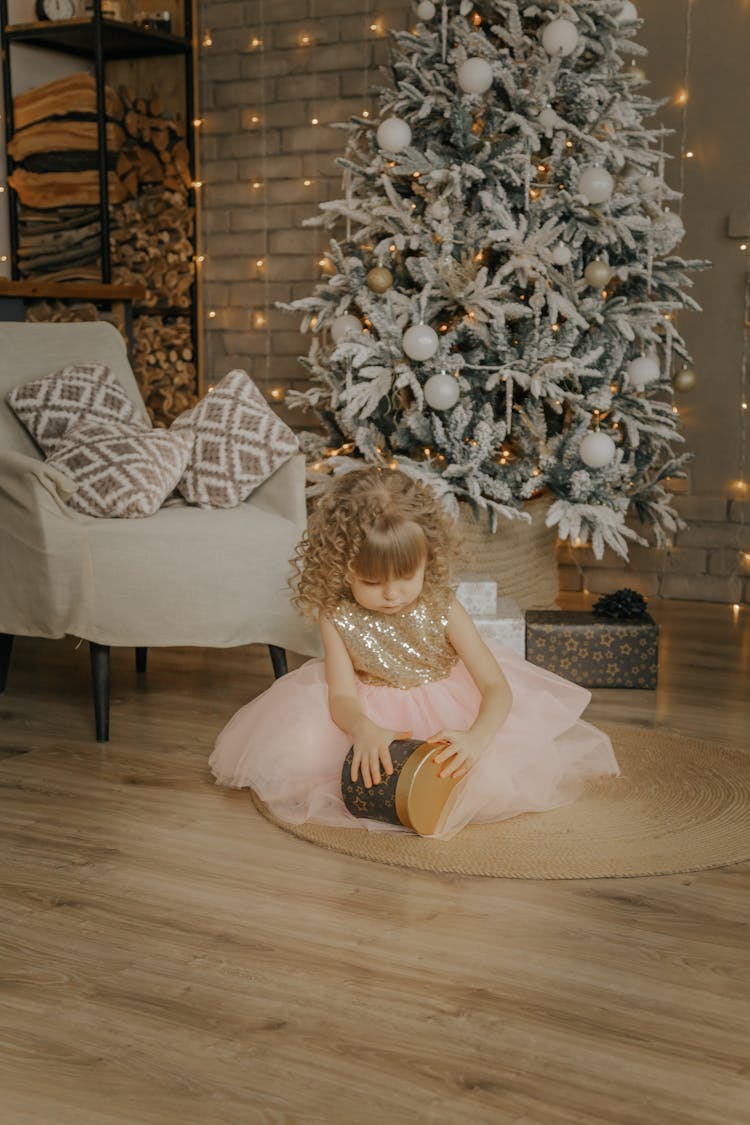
(163, 365)
(56, 180)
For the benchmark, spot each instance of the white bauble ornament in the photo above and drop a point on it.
(560, 254)
(474, 76)
(596, 184)
(685, 380)
(547, 118)
(597, 449)
(426, 10)
(441, 391)
(560, 38)
(394, 134)
(641, 371)
(628, 12)
(597, 273)
(648, 183)
(345, 328)
(379, 279)
(420, 342)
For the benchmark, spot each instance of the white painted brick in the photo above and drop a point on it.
(703, 509)
(570, 578)
(286, 36)
(739, 511)
(726, 562)
(687, 560)
(715, 535)
(607, 581)
(702, 588)
(226, 15)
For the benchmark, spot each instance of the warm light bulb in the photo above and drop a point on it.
(255, 43)
(255, 119)
(259, 318)
(743, 246)
(276, 393)
(306, 183)
(197, 122)
(689, 154)
(211, 314)
(304, 40)
(200, 258)
(257, 184)
(206, 40)
(260, 263)
(365, 113)
(315, 121)
(681, 97)
(197, 183)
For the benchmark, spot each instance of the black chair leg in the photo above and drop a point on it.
(278, 659)
(140, 660)
(100, 685)
(6, 645)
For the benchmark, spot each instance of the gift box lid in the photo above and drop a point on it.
(578, 618)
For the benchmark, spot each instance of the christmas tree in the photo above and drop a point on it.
(497, 310)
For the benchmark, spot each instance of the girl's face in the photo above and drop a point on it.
(390, 595)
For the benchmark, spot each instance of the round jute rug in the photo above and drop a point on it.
(680, 805)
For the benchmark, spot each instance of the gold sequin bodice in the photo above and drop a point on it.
(402, 650)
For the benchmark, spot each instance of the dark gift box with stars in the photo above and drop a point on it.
(594, 651)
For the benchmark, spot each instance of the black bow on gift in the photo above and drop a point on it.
(623, 603)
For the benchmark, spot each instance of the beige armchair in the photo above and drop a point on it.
(184, 576)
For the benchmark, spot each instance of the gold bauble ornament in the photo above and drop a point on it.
(379, 279)
(685, 380)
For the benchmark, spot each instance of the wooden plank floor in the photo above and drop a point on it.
(168, 956)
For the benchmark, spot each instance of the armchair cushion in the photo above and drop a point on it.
(49, 407)
(239, 443)
(121, 471)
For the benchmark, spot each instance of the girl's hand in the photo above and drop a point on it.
(463, 751)
(372, 749)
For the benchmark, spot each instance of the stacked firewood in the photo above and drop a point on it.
(56, 179)
(163, 363)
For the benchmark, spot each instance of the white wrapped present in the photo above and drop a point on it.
(479, 599)
(507, 626)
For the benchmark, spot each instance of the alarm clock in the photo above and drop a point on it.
(55, 9)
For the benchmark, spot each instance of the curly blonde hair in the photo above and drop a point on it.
(376, 524)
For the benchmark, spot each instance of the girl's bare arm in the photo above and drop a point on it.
(467, 746)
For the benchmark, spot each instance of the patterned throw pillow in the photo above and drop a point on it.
(239, 443)
(48, 407)
(120, 471)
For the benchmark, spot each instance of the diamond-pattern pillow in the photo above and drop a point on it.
(119, 471)
(239, 443)
(50, 406)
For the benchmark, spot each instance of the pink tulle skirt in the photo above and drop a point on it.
(286, 747)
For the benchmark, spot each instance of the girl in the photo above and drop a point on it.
(403, 660)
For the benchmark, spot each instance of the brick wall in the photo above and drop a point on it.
(287, 83)
(284, 84)
(708, 561)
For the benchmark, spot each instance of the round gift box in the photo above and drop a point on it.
(414, 795)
